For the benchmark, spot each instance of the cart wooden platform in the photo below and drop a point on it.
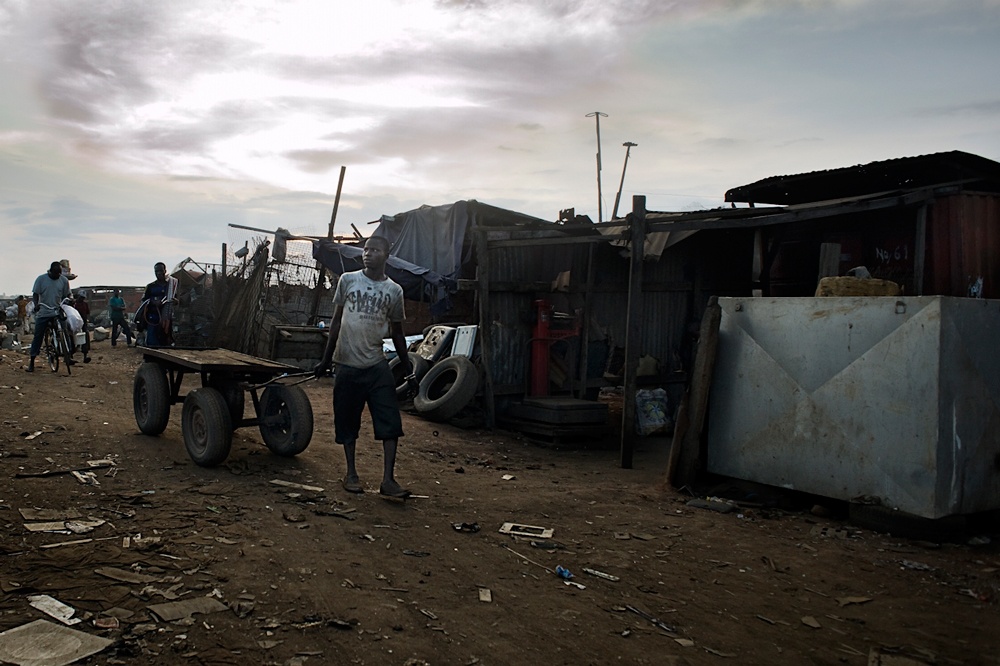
(282, 412)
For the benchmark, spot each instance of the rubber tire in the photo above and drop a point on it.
(51, 354)
(420, 367)
(207, 428)
(233, 395)
(286, 419)
(447, 388)
(151, 398)
(67, 349)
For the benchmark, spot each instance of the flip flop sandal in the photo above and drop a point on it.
(399, 495)
(352, 486)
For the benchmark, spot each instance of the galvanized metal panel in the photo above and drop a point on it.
(896, 398)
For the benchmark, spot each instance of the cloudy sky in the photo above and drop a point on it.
(135, 132)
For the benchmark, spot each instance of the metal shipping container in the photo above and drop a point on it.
(876, 397)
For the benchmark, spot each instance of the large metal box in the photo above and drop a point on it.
(890, 397)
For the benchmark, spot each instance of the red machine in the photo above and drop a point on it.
(543, 336)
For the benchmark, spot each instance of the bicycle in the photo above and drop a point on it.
(56, 345)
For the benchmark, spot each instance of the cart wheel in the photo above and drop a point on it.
(232, 394)
(286, 419)
(208, 430)
(151, 398)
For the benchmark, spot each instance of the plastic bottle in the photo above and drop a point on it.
(563, 572)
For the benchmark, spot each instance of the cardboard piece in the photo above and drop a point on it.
(44, 643)
(50, 514)
(125, 576)
(178, 610)
(517, 529)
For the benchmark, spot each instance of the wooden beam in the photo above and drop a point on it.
(697, 222)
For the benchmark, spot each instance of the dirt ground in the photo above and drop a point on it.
(324, 577)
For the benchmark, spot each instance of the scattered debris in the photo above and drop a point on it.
(601, 574)
(289, 484)
(86, 478)
(54, 608)
(485, 595)
(125, 576)
(517, 529)
(528, 560)
(712, 505)
(465, 527)
(50, 514)
(416, 553)
(918, 566)
(178, 610)
(810, 621)
(42, 642)
(652, 620)
(338, 513)
(847, 601)
(99, 464)
(508, 477)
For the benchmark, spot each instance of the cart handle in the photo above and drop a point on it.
(308, 375)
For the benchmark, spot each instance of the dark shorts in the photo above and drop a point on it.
(352, 389)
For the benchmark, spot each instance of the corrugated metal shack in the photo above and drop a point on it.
(930, 223)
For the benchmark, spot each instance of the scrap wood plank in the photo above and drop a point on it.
(689, 454)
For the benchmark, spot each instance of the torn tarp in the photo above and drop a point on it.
(418, 283)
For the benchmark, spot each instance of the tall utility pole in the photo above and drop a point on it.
(596, 115)
(618, 197)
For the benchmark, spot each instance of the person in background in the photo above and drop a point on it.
(119, 322)
(161, 297)
(83, 307)
(22, 314)
(47, 294)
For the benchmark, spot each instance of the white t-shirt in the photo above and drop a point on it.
(367, 308)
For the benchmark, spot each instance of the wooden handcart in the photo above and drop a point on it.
(282, 412)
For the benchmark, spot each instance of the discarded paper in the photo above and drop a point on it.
(54, 608)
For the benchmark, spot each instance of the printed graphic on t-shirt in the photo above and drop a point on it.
(367, 305)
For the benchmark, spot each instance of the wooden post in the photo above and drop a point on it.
(920, 251)
(637, 227)
(485, 322)
(584, 355)
(225, 251)
(329, 236)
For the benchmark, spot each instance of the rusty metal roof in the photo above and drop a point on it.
(973, 171)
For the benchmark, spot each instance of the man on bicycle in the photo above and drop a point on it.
(47, 294)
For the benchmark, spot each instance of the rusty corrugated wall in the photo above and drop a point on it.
(675, 289)
(963, 245)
